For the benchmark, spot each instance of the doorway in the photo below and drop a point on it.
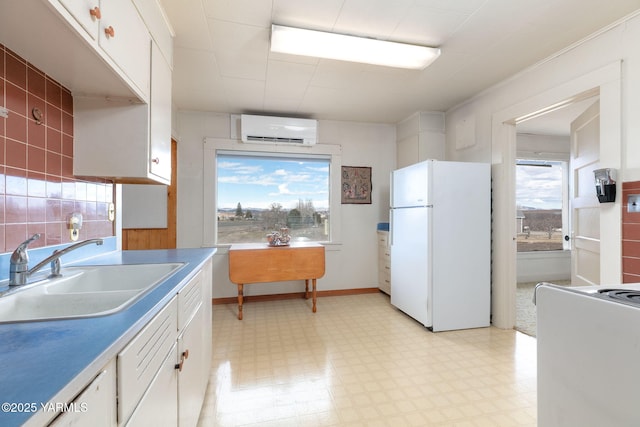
(606, 83)
(543, 211)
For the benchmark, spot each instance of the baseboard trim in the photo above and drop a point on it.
(294, 295)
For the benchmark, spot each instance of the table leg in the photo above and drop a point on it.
(240, 301)
(314, 295)
(306, 288)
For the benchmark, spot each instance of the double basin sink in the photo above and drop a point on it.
(84, 291)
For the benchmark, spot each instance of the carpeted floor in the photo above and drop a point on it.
(525, 309)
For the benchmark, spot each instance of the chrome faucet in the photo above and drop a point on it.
(19, 270)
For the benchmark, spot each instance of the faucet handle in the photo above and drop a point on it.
(20, 254)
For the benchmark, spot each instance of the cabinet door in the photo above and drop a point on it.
(160, 150)
(82, 12)
(139, 361)
(159, 405)
(192, 379)
(129, 44)
(96, 405)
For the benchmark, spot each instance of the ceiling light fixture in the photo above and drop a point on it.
(319, 44)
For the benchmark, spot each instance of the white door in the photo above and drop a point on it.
(585, 208)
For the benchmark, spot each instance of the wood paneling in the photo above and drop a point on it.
(158, 238)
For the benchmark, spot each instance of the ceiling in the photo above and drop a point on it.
(222, 61)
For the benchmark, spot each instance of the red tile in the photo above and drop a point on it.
(54, 93)
(54, 233)
(631, 231)
(2, 61)
(67, 145)
(630, 186)
(35, 82)
(631, 265)
(36, 160)
(53, 117)
(36, 134)
(16, 153)
(631, 248)
(16, 99)
(2, 145)
(67, 124)
(16, 127)
(2, 220)
(16, 70)
(67, 167)
(40, 228)
(36, 209)
(3, 248)
(54, 140)
(54, 163)
(53, 210)
(67, 101)
(14, 234)
(15, 209)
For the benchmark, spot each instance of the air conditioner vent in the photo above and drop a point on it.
(278, 130)
(273, 139)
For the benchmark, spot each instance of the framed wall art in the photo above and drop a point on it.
(356, 185)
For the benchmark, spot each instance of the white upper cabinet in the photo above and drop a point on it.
(87, 13)
(160, 127)
(125, 38)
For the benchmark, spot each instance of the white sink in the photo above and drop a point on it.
(84, 292)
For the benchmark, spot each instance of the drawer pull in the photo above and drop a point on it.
(109, 31)
(183, 357)
(95, 12)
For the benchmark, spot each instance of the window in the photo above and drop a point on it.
(541, 199)
(251, 190)
(258, 193)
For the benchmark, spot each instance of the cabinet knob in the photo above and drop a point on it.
(156, 160)
(95, 12)
(109, 31)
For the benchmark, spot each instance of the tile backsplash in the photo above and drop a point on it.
(630, 236)
(37, 188)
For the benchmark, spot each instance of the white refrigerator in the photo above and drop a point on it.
(440, 225)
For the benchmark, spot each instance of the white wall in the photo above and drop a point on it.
(349, 265)
(602, 51)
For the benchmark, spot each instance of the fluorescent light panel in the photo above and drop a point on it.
(319, 44)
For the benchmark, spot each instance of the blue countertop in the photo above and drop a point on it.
(39, 359)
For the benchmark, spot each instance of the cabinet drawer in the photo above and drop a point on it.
(140, 360)
(383, 238)
(189, 300)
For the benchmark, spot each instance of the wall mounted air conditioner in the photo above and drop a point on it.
(285, 130)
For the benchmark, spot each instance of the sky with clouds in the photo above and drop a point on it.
(539, 187)
(257, 182)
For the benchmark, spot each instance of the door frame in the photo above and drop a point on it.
(606, 82)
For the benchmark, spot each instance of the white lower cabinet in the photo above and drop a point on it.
(192, 373)
(160, 387)
(159, 405)
(160, 377)
(141, 360)
(95, 405)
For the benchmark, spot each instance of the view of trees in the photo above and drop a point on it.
(244, 225)
(539, 230)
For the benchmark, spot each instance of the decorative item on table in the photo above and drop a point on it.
(280, 238)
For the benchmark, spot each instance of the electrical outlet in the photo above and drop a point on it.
(4, 112)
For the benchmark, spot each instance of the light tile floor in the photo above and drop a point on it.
(360, 362)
